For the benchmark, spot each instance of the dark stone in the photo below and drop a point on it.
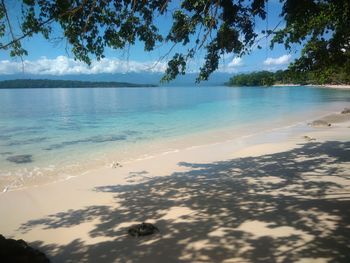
(143, 229)
(345, 111)
(12, 250)
(320, 124)
(23, 158)
(308, 138)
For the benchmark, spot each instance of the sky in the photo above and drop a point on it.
(54, 58)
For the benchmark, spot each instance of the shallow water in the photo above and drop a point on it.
(47, 133)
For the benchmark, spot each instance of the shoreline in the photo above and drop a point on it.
(327, 86)
(157, 148)
(343, 86)
(286, 85)
(197, 196)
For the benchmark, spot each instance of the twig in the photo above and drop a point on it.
(269, 33)
(164, 6)
(72, 11)
(162, 57)
(89, 16)
(210, 26)
(11, 30)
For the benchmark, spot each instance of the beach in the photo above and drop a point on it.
(327, 86)
(340, 86)
(175, 131)
(50, 135)
(276, 196)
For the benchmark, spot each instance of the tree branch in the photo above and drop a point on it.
(11, 30)
(15, 40)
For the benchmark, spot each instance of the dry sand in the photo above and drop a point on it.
(287, 85)
(343, 86)
(273, 197)
(330, 86)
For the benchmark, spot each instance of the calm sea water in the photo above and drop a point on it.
(63, 131)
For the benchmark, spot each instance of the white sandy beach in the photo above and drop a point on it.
(329, 86)
(343, 86)
(272, 197)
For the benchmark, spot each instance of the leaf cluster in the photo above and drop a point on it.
(260, 78)
(216, 26)
(322, 27)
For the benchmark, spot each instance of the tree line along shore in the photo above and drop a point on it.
(48, 83)
(267, 78)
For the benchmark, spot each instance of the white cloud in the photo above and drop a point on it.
(278, 61)
(232, 66)
(63, 65)
(236, 62)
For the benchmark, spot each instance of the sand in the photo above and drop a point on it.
(271, 197)
(329, 86)
(286, 85)
(343, 86)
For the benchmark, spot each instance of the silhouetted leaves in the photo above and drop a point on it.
(219, 27)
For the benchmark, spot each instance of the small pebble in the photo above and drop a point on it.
(308, 138)
(116, 164)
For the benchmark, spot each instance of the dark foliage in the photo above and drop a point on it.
(266, 78)
(49, 83)
(220, 27)
(261, 78)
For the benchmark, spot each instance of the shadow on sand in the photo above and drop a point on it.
(281, 207)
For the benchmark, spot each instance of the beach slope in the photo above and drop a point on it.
(282, 196)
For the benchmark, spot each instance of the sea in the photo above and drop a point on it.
(55, 134)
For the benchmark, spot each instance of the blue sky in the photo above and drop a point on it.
(55, 59)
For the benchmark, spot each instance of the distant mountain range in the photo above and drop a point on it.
(131, 78)
(50, 83)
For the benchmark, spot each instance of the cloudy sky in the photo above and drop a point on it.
(53, 58)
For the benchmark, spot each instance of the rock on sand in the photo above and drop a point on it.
(320, 124)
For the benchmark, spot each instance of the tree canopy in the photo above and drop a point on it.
(267, 78)
(52, 84)
(217, 26)
(260, 78)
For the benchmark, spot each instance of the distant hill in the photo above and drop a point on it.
(216, 79)
(49, 83)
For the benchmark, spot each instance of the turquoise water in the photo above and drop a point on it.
(61, 131)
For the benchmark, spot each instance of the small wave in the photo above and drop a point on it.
(171, 151)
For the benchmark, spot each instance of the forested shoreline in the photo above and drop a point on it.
(268, 78)
(48, 83)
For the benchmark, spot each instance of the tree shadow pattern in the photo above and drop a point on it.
(281, 207)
